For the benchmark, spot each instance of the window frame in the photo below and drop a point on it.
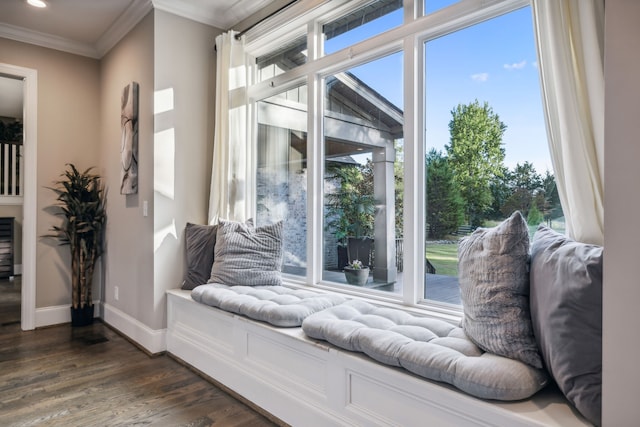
(409, 37)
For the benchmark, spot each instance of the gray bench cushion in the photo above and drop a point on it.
(431, 348)
(277, 305)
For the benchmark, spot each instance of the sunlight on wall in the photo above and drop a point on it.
(163, 164)
(163, 101)
(160, 235)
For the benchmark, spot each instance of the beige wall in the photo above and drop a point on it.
(621, 289)
(145, 255)
(185, 68)
(68, 132)
(128, 260)
(79, 122)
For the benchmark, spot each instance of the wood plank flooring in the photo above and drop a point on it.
(92, 376)
(10, 293)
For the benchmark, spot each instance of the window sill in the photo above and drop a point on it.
(447, 312)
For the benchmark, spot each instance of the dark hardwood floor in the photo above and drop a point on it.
(10, 293)
(92, 376)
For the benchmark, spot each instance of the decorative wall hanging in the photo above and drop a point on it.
(129, 142)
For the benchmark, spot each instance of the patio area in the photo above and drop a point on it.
(439, 287)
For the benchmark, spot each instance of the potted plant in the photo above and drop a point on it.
(351, 209)
(356, 273)
(81, 199)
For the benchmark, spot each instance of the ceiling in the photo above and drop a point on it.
(92, 27)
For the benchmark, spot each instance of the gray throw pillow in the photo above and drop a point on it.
(566, 308)
(247, 255)
(494, 287)
(200, 243)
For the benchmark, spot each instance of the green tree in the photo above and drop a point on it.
(534, 217)
(525, 176)
(524, 185)
(553, 208)
(476, 154)
(445, 207)
(500, 193)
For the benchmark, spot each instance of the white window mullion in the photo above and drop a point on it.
(413, 280)
(315, 160)
(413, 9)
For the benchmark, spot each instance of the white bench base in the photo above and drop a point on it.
(311, 383)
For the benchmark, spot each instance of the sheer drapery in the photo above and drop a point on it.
(569, 36)
(231, 186)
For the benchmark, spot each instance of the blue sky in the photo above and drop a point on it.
(494, 61)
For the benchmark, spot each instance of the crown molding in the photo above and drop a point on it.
(121, 26)
(208, 14)
(190, 11)
(47, 40)
(198, 11)
(243, 9)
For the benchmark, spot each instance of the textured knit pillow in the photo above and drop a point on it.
(247, 256)
(566, 309)
(200, 242)
(494, 286)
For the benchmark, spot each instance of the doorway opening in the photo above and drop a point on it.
(18, 167)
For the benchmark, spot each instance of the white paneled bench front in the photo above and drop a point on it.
(308, 382)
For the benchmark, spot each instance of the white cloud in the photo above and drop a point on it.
(480, 77)
(515, 66)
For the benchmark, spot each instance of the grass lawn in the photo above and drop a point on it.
(444, 257)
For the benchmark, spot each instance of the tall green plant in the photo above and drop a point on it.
(351, 207)
(81, 199)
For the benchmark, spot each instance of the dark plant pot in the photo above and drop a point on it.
(343, 257)
(82, 316)
(356, 277)
(360, 248)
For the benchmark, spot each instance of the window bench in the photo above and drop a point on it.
(308, 382)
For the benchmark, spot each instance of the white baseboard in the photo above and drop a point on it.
(54, 315)
(152, 340)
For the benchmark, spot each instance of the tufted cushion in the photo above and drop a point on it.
(277, 305)
(431, 348)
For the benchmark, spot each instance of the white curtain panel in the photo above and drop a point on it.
(570, 41)
(231, 191)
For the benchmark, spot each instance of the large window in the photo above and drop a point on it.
(369, 19)
(367, 139)
(486, 145)
(289, 56)
(281, 176)
(363, 125)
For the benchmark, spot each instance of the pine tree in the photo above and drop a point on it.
(445, 207)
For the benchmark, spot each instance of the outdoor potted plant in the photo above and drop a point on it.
(356, 273)
(81, 199)
(351, 209)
